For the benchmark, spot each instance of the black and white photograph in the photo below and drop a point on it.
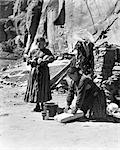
(59, 74)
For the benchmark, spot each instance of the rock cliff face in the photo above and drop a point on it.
(100, 17)
(6, 8)
(3, 35)
(95, 16)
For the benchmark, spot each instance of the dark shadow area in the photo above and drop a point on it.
(60, 110)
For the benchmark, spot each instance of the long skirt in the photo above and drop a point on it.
(95, 104)
(38, 88)
(99, 106)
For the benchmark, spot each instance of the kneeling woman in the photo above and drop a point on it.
(38, 88)
(90, 98)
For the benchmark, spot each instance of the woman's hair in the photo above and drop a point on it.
(39, 39)
(79, 46)
(72, 70)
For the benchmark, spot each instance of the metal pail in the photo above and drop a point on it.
(52, 107)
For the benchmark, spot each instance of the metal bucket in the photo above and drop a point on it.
(52, 108)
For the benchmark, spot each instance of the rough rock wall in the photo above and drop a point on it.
(19, 6)
(100, 17)
(95, 16)
(6, 8)
(3, 35)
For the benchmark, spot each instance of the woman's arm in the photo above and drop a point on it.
(48, 58)
(70, 95)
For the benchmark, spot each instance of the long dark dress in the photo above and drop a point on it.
(38, 88)
(89, 97)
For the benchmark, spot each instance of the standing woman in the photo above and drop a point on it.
(38, 89)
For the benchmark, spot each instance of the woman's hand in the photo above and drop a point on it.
(39, 60)
(33, 63)
(66, 109)
(25, 57)
(74, 110)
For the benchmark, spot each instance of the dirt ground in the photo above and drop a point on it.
(22, 129)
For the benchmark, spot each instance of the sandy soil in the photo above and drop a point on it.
(22, 129)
